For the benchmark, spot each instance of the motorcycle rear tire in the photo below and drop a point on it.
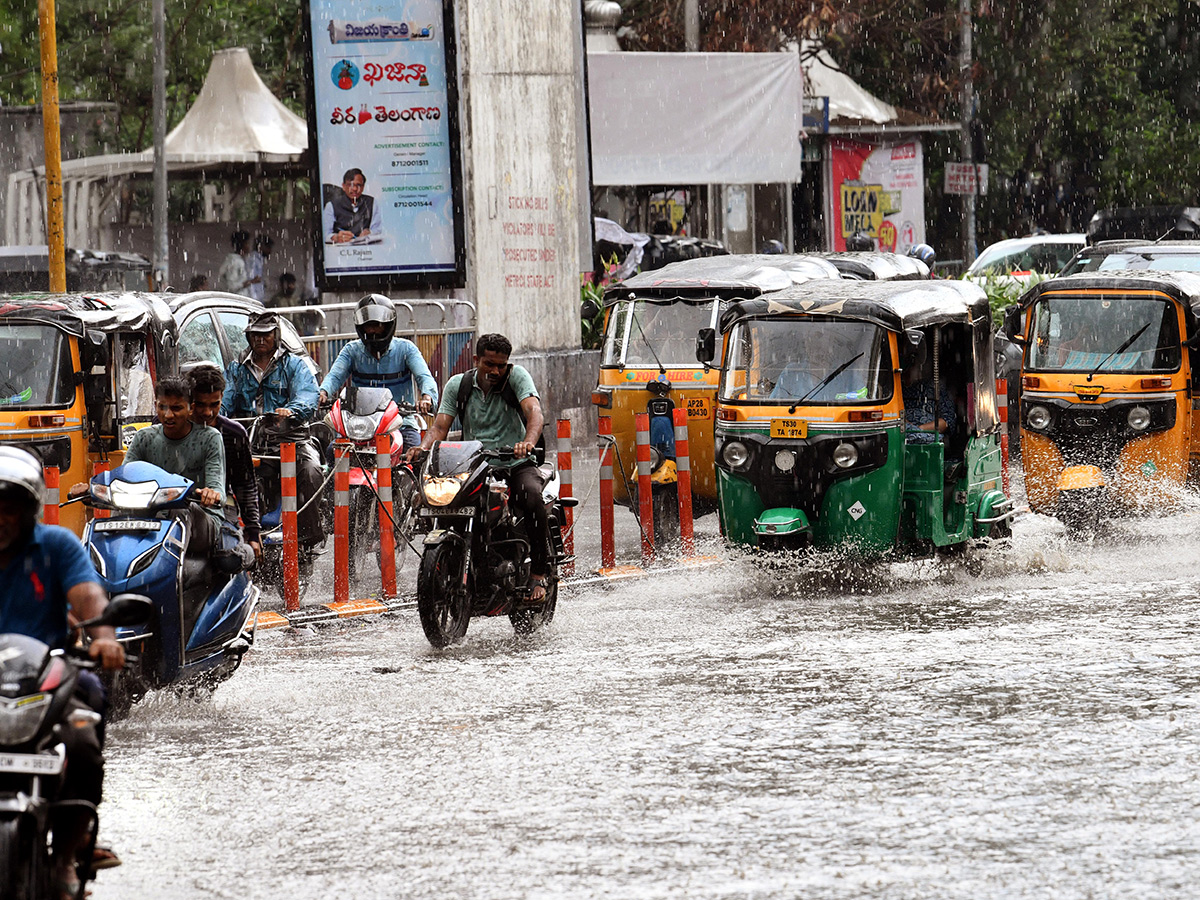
(442, 603)
(24, 871)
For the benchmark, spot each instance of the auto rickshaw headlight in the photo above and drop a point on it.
(735, 454)
(785, 460)
(1139, 418)
(655, 458)
(845, 455)
(1038, 418)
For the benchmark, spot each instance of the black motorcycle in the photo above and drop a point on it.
(475, 561)
(36, 686)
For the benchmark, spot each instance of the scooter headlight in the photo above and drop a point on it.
(1139, 418)
(655, 458)
(735, 454)
(845, 455)
(20, 718)
(1038, 418)
(133, 494)
(442, 491)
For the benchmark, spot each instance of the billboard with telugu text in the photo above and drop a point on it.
(383, 132)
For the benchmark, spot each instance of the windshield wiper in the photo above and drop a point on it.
(1125, 346)
(828, 378)
(645, 340)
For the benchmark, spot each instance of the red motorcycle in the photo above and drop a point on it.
(359, 415)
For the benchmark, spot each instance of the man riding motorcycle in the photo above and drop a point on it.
(271, 379)
(498, 405)
(44, 574)
(380, 359)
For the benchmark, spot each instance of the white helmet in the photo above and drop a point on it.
(21, 477)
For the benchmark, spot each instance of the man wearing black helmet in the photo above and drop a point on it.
(380, 359)
(925, 254)
(44, 573)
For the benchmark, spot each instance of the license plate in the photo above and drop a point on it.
(698, 407)
(426, 512)
(30, 763)
(789, 428)
(125, 525)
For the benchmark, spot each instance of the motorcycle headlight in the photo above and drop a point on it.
(133, 495)
(735, 454)
(20, 718)
(1139, 418)
(442, 491)
(845, 455)
(1038, 418)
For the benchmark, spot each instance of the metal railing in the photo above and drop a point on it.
(443, 330)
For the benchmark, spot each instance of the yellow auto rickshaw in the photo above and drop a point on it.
(1107, 388)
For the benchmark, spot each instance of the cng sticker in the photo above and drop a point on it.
(1149, 469)
(857, 511)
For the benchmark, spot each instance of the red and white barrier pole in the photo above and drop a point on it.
(683, 466)
(1002, 408)
(50, 510)
(291, 533)
(645, 488)
(566, 490)
(387, 530)
(341, 521)
(608, 547)
(97, 469)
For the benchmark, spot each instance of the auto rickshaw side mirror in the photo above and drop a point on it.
(706, 345)
(910, 345)
(1012, 325)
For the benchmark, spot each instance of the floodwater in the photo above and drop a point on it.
(902, 731)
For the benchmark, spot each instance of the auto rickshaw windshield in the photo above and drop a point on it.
(656, 332)
(35, 366)
(1109, 333)
(819, 361)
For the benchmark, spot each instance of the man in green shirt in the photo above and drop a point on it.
(502, 410)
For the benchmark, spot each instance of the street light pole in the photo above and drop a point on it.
(968, 103)
(161, 260)
(55, 239)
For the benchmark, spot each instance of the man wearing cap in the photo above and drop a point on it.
(271, 379)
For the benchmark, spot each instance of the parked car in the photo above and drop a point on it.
(212, 328)
(1023, 258)
(1111, 256)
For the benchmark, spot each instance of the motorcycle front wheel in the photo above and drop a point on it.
(24, 866)
(444, 606)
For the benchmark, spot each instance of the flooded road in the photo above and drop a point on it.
(903, 731)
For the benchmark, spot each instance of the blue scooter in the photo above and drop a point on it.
(203, 620)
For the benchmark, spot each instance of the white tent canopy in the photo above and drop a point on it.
(694, 118)
(235, 121)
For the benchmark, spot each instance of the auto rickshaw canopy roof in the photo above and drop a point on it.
(1184, 287)
(739, 275)
(895, 305)
(79, 313)
(878, 265)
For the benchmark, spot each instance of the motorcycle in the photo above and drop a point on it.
(204, 618)
(359, 415)
(267, 432)
(36, 686)
(475, 561)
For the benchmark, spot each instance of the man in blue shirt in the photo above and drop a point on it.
(270, 379)
(44, 573)
(380, 359)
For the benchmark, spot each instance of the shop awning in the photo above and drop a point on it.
(694, 118)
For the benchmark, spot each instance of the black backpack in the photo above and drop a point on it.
(506, 391)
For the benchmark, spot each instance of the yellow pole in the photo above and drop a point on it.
(54, 200)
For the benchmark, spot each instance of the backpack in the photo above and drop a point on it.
(506, 391)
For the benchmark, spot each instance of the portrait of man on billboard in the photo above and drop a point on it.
(349, 215)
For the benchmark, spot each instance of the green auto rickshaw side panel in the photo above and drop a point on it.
(864, 511)
(738, 505)
(940, 503)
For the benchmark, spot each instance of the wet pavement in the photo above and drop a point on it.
(904, 730)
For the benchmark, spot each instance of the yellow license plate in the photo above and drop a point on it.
(789, 428)
(698, 407)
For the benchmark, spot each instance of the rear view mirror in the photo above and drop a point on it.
(706, 345)
(1012, 325)
(910, 345)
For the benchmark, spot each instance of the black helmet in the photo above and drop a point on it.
(375, 308)
(21, 478)
(924, 253)
(859, 241)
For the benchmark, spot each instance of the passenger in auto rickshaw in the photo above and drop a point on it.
(929, 413)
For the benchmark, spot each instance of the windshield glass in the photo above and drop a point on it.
(1045, 258)
(35, 367)
(660, 332)
(777, 359)
(1116, 333)
(1150, 261)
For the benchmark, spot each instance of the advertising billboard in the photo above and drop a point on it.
(878, 189)
(383, 130)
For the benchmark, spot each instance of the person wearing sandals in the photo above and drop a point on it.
(500, 408)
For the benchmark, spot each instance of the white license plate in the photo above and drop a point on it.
(30, 763)
(425, 511)
(125, 525)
